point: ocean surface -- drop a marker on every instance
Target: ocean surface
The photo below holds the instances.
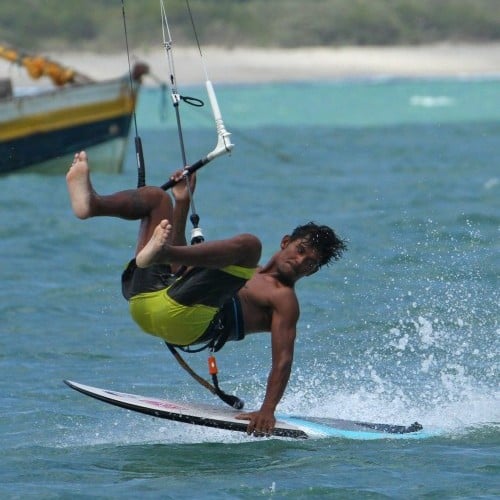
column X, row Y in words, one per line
column 404, row 328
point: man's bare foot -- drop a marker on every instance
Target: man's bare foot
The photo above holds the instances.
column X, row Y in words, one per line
column 80, row 188
column 156, row 249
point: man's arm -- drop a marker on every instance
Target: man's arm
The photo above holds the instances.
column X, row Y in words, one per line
column 283, row 333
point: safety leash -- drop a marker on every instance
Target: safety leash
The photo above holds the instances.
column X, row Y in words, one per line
column 232, row 401
column 222, row 147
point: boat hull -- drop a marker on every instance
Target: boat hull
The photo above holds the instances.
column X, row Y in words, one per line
column 40, row 132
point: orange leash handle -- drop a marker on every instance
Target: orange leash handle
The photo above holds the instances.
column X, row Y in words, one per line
column 212, row 365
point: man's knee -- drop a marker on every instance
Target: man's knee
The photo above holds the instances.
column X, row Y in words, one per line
column 251, row 249
column 156, row 198
column 154, row 193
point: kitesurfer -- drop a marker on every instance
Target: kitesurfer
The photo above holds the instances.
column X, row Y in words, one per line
column 215, row 290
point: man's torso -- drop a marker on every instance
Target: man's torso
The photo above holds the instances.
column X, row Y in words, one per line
column 257, row 303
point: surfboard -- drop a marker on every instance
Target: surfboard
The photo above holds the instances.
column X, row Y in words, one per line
column 224, row 418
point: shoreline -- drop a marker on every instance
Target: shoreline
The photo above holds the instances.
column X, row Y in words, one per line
column 255, row 65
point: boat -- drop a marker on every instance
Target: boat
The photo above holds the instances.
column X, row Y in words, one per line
column 41, row 128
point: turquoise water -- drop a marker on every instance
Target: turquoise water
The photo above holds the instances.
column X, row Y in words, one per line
column 404, row 328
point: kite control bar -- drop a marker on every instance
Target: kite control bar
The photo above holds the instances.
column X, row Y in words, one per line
column 222, row 147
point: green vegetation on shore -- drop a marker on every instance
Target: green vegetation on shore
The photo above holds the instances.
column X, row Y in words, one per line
column 98, row 24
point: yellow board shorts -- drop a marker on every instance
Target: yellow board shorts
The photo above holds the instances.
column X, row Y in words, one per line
column 181, row 312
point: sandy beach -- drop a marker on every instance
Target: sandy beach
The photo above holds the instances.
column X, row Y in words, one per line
column 250, row 65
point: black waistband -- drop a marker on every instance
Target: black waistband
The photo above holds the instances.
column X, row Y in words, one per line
column 227, row 325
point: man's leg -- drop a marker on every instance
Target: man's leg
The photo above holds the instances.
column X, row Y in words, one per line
column 148, row 204
column 242, row 250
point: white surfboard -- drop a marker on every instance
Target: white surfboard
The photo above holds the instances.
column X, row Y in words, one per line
column 223, row 418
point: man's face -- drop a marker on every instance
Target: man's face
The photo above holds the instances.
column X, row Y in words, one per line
column 297, row 259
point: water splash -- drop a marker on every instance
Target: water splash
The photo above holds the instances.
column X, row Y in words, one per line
column 426, row 347
column 429, row 101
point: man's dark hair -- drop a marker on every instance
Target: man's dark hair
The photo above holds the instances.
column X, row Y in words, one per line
column 323, row 239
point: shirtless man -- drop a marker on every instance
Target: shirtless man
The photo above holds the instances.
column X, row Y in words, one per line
column 219, row 292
